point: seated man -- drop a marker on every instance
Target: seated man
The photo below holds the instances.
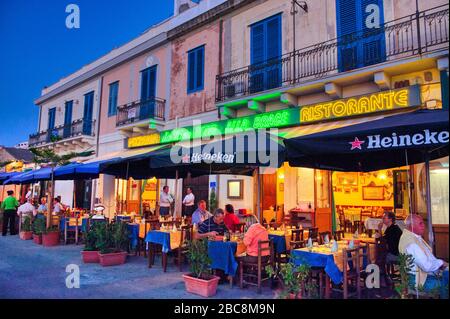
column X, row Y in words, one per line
column 213, row 226
column 200, row 214
column 255, row 233
column 230, row 220
column 427, row 271
column 391, row 236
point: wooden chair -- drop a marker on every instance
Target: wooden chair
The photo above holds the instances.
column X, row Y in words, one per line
column 344, row 224
column 297, row 239
column 322, row 236
column 313, row 234
column 71, row 230
column 355, row 273
column 338, row 235
column 248, row 269
column 150, row 224
column 358, row 226
column 181, row 251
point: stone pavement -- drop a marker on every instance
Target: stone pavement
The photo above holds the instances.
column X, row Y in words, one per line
column 28, row 270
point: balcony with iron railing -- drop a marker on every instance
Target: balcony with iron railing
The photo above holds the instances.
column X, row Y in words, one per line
column 78, row 128
column 141, row 111
column 416, row 34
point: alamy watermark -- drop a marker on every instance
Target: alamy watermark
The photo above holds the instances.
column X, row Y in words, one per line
column 73, row 279
column 73, row 19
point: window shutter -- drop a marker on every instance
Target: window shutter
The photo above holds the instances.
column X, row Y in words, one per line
column 347, row 17
column 199, row 68
column 257, row 43
column 273, row 38
column 191, row 71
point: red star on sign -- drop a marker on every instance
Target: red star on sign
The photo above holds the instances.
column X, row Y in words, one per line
column 186, row 158
column 356, row 144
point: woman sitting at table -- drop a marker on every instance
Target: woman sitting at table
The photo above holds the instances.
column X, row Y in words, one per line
column 230, row 220
column 255, row 233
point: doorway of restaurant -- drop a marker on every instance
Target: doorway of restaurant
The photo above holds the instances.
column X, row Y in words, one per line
column 200, row 188
column 83, row 192
column 401, row 193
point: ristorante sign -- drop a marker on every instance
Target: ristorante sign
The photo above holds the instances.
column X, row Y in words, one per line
column 377, row 102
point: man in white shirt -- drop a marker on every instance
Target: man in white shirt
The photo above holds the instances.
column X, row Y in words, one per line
column 427, row 271
column 188, row 202
column 200, row 214
column 57, row 207
column 26, row 209
column 165, row 200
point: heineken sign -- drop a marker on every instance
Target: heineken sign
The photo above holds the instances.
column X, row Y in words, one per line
column 362, row 105
column 426, row 137
column 275, row 119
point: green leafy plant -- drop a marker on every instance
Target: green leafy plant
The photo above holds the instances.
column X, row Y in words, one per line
column 198, row 258
column 294, row 279
column 90, row 238
column 26, row 224
column 212, row 200
column 51, row 229
column 38, row 226
column 111, row 238
column 405, row 264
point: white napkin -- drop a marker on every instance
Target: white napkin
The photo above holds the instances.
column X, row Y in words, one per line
column 334, row 247
column 351, row 244
column 174, row 228
column 356, row 235
column 309, row 243
column 326, row 239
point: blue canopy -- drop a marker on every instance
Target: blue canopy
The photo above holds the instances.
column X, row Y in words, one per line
column 5, row 176
column 389, row 142
column 80, row 171
column 17, row 178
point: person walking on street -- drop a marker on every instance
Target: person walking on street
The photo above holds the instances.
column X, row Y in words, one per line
column 9, row 207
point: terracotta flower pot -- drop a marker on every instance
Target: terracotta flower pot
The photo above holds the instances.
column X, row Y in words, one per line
column 201, row 287
column 37, row 239
column 50, row 239
column 113, row 259
column 90, row 257
column 26, row 235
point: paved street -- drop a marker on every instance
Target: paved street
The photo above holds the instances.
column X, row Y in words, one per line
column 31, row 271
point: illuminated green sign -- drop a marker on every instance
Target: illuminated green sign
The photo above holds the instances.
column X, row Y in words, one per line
column 274, row 119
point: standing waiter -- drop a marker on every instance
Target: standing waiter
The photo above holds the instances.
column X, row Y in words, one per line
column 9, row 207
column 189, row 203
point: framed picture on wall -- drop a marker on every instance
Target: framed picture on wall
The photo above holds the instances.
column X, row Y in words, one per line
column 235, row 189
column 347, row 179
column 373, row 193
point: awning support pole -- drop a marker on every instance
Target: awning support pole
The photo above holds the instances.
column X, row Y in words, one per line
column 428, row 186
column 176, row 195
column 258, row 198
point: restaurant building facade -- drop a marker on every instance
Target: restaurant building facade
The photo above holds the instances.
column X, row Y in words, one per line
column 298, row 67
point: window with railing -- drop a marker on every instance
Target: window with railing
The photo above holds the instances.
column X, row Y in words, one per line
column 152, row 108
column 411, row 35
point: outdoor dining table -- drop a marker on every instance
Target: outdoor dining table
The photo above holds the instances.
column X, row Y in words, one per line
column 322, row 256
column 167, row 239
column 282, row 240
column 223, row 256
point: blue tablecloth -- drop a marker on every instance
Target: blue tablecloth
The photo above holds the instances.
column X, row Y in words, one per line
column 83, row 226
column 159, row 237
column 279, row 243
column 133, row 234
column 322, row 260
column 222, row 256
column 318, row 260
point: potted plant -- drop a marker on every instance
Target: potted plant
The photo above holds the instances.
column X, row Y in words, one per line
column 293, row 279
column 25, row 230
column 405, row 264
column 200, row 281
column 112, row 242
column 90, row 251
column 38, row 227
column 50, row 237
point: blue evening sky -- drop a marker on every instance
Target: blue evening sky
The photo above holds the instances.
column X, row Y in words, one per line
column 37, row 49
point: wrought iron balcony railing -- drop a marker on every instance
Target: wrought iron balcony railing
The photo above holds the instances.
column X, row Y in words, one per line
column 137, row 111
column 408, row 36
column 81, row 127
